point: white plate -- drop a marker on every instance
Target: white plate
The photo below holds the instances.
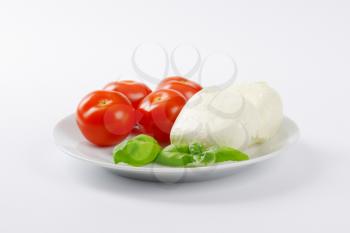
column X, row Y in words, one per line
column 69, row 139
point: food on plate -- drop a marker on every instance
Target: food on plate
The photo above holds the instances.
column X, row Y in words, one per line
column 138, row 151
column 105, row 118
column 181, row 79
column 269, row 107
column 195, row 155
column 186, row 87
column 143, row 149
column 236, row 116
column 175, row 156
column 135, row 91
column 224, row 153
column 158, row 112
column 197, row 127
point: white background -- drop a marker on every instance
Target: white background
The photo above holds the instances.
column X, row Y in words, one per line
column 54, row 52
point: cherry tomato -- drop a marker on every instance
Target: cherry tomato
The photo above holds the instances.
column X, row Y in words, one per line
column 159, row 111
column 105, row 118
column 186, row 90
column 135, row 91
column 186, row 87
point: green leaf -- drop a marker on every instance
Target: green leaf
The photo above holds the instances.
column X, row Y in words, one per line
column 175, row 156
column 138, row 151
column 204, row 159
column 228, row 154
column 196, row 155
column 196, row 148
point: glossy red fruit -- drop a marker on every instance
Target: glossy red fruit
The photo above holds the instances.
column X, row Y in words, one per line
column 186, row 87
column 159, row 111
column 135, row 91
column 105, row 118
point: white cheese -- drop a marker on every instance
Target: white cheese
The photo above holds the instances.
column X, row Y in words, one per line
column 236, row 116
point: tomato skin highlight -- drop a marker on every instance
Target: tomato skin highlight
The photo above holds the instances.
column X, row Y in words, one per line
column 159, row 111
column 105, row 118
column 185, row 86
column 186, row 90
column 134, row 91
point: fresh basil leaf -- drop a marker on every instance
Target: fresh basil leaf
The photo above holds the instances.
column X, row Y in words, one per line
column 228, row 154
column 203, row 159
column 196, row 148
column 175, row 156
column 138, row 151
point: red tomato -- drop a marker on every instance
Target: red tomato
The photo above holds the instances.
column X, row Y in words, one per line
column 159, row 111
column 186, row 87
column 105, row 118
column 135, row 91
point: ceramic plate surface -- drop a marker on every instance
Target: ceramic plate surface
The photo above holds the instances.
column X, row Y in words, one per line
column 69, row 139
